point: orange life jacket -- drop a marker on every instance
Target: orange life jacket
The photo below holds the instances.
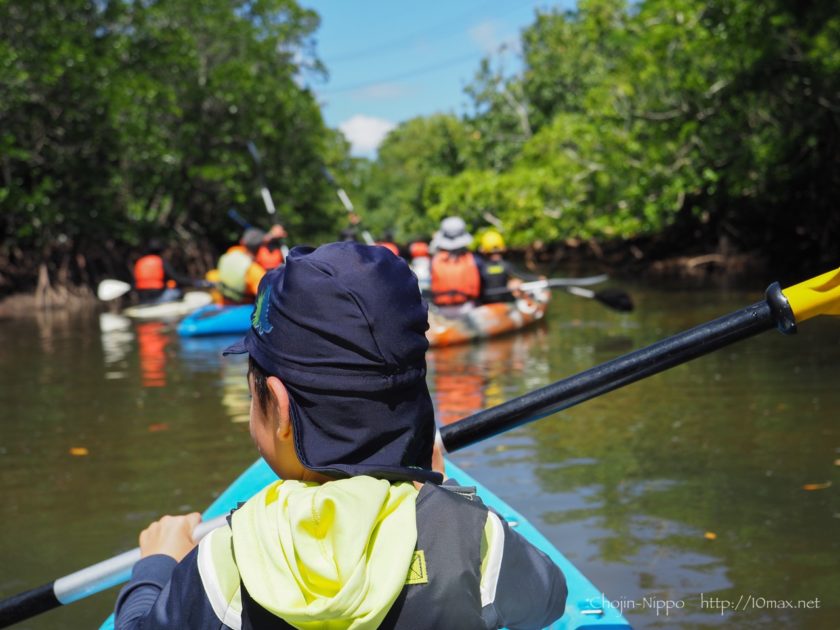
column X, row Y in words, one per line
column 149, row 273
column 269, row 258
column 388, row 245
column 455, row 278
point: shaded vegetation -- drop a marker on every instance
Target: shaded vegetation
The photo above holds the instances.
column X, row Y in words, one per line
column 651, row 128
column 121, row 120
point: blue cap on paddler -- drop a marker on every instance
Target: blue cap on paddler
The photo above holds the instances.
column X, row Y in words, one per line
column 344, row 327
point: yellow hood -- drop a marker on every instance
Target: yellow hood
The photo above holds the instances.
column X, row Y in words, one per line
column 327, row 556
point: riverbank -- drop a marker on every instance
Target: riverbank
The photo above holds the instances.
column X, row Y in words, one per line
column 640, row 261
column 61, row 299
column 713, row 269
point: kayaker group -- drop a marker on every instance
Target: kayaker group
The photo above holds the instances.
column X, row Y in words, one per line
column 450, row 275
column 235, row 278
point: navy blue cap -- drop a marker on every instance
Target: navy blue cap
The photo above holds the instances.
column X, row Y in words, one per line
column 344, row 327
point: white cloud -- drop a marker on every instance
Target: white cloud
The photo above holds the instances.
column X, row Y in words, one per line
column 486, row 35
column 365, row 133
column 491, row 37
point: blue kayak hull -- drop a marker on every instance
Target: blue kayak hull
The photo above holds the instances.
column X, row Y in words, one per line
column 583, row 607
column 216, row 319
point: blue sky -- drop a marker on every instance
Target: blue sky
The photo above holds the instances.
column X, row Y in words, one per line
column 389, row 61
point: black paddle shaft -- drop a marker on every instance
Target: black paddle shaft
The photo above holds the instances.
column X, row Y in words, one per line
column 774, row 311
column 28, row 604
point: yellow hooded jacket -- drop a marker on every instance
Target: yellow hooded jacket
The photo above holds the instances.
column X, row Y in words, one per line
column 318, row 556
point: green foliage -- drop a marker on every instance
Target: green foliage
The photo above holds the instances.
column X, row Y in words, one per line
column 569, row 55
column 501, row 121
column 122, row 118
column 410, row 157
column 629, row 118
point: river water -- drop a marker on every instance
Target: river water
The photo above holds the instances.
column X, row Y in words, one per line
column 716, row 481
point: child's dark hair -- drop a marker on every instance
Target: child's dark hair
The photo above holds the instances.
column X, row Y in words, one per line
column 260, row 377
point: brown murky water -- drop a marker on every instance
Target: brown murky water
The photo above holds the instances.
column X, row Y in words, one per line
column 717, row 480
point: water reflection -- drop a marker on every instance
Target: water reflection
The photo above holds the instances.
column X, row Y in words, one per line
column 687, row 482
column 152, row 340
column 236, row 398
column 117, row 336
column 466, row 378
column 204, row 354
column 120, row 335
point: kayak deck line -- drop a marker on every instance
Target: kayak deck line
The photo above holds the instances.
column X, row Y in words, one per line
column 584, row 606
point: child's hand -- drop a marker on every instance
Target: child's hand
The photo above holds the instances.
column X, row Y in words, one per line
column 438, row 463
column 171, row 535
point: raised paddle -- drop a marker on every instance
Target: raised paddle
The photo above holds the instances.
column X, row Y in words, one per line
column 345, row 201
column 264, row 192
column 239, row 219
column 782, row 309
column 584, row 281
column 112, row 289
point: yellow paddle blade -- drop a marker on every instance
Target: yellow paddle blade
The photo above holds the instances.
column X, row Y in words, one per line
column 818, row 296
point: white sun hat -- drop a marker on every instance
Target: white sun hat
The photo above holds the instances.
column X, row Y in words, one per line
column 452, row 235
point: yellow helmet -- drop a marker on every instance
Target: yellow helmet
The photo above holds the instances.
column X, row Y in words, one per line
column 491, row 241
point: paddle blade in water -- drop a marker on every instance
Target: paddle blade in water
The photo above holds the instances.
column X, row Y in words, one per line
column 615, row 298
column 112, row 289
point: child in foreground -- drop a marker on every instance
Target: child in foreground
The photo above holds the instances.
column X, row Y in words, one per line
column 360, row 532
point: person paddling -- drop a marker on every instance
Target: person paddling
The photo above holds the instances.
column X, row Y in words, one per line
column 361, row 532
column 496, row 272
column 238, row 274
column 154, row 279
column 271, row 253
column 455, row 273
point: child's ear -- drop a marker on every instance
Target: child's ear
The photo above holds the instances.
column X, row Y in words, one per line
column 280, row 404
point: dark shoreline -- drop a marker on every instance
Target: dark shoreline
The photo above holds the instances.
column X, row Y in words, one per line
column 713, row 269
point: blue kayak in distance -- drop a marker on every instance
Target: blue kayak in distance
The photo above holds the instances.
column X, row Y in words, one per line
column 217, row 319
column 586, row 606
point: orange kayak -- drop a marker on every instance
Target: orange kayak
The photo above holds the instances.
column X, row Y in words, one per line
column 487, row 320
